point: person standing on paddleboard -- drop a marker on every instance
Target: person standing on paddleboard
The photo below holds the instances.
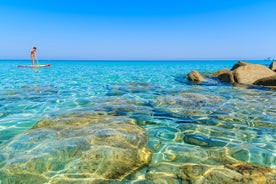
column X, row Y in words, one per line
column 33, row 52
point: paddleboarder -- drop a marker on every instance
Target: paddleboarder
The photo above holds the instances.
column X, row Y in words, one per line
column 33, row 52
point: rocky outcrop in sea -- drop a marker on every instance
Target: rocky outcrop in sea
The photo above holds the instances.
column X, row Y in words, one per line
column 250, row 73
column 246, row 74
column 195, row 76
column 272, row 66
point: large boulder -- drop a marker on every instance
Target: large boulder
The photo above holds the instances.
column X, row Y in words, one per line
column 238, row 64
column 225, row 75
column 224, row 70
column 250, row 73
column 86, row 148
column 268, row 81
column 195, row 76
column 272, row 66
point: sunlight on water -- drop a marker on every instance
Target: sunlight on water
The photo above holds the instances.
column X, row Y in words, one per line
column 212, row 123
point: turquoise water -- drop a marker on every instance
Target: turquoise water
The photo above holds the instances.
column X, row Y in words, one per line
column 239, row 120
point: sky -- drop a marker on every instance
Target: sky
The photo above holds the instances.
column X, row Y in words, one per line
column 138, row 29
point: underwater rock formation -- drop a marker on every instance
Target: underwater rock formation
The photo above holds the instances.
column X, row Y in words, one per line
column 132, row 87
column 203, row 173
column 75, row 148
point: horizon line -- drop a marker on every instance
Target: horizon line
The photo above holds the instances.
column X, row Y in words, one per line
column 136, row 59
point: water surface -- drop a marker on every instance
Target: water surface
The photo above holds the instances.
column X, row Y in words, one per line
column 208, row 121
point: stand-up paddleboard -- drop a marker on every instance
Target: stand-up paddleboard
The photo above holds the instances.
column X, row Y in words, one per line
column 35, row 66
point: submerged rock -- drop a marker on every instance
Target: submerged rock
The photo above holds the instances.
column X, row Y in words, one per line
column 75, row 148
column 253, row 173
column 203, row 141
column 241, row 173
column 132, row 87
column 118, row 106
column 187, row 100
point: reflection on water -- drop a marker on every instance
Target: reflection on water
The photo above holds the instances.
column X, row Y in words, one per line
column 207, row 128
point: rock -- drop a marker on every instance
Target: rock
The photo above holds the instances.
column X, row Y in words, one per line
column 272, row 66
column 222, row 175
column 86, row 148
column 203, row 173
column 246, row 73
column 132, row 87
column 187, row 100
column 226, row 171
column 203, row 141
column 254, row 174
column 268, row 81
column 227, row 77
column 195, row 76
column 250, row 73
column 238, row 64
column 222, row 71
column 191, row 172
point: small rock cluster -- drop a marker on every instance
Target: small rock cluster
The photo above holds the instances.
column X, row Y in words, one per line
column 201, row 174
column 242, row 73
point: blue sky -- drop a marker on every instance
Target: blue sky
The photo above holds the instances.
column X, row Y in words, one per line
column 138, row 29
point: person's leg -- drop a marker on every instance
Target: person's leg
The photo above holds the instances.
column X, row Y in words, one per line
column 32, row 60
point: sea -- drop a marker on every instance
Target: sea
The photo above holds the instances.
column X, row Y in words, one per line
column 239, row 119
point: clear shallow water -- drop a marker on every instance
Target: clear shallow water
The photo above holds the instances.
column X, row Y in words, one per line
column 208, row 120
